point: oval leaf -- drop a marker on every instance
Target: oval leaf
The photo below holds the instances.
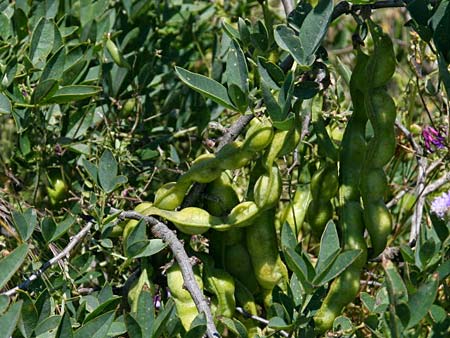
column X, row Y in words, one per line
column 206, row 86
column 12, row 262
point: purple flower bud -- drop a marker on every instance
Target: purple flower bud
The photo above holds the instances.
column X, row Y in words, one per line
column 432, row 138
column 441, row 205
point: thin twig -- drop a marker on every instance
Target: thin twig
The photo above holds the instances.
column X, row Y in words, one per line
column 436, row 184
column 160, row 230
column 420, row 184
column 259, row 319
column 234, row 131
column 64, row 253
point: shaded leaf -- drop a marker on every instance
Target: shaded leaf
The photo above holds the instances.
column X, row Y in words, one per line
column 11, row 263
column 5, row 104
column 8, row 321
column 96, row 328
column 44, row 90
column 421, row 301
column 107, row 171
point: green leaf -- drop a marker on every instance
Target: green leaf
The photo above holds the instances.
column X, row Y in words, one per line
column 4, row 302
column 237, row 72
column 441, row 36
column 73, row 93
column 5, row 104
column 244, row 31
column 133, row 328
column 137, row 236
column 288, row 239
column 47, row 325
column 444, row 74
column 65, row 327
column 287, row 40
column 153, row 247
column 54, row 68
column 239, row 98
column 104, row 307
column 96, row 328
column 299, row 265
column 62, row 227
column 270, row 73
column 11, row 263
column 278, row 323
column 145, row 315
column 25, row 222
column 381, row 300
column 107, row 171
column 91, row 169
column 368, row 301
column 395, row 285
column 342, row 323
column 421, row 301
column 8, row 321
column 314, row 28
column 235, row 326
column 42, row 40
column 272, row 106
column 43, row 91
column 29, row 316
column 343, row 260
column 206, row 86
column 162, row 318
column 5, row 27
column 329, row 247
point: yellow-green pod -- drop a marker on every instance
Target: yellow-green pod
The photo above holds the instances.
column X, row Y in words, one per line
column 234, row 156
column 221, row 284
column 267, row 190
column 259, row 135
column 221, row 196
column 186, row 309
column 191, row 220
column 241, row 215
column 170, row 195
column 205, row 169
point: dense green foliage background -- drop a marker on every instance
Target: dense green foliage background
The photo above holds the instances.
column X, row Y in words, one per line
column 85, row 133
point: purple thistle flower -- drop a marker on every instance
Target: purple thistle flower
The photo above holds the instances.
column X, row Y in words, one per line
column 432, row 137
column 441, row 204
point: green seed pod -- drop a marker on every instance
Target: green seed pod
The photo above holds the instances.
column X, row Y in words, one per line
column 204, row 169
column 238, row 263
column 378, row 221
column 221, row 196
column 191, row 220
column 170, row 195
column 267, row 190
column 342, row 291
column 373, row 184
column 186, row 309
column 262, row 246
column 318, row 215
column 234, row 156
column 221, row 284
column 116, row 54
column 259, row 135
column 241, row 215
